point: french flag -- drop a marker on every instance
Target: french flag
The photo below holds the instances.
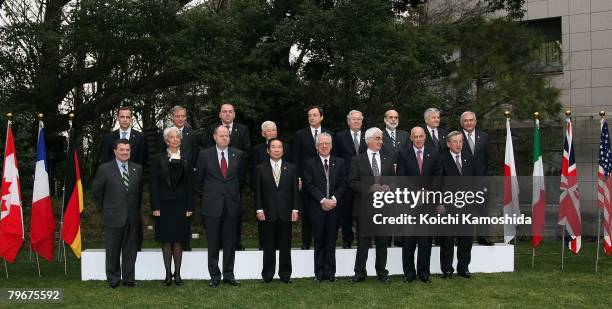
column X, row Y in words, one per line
column 42, row 227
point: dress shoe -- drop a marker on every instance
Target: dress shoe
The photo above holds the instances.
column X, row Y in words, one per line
column 168, row 281
column 131, row 284
column 384, row 279
column 447, row 275
column 466, row 274
column 346, row 245
column 178, row 281
column 483, row 241
column 113, row 285
column 266, row 280
column 332, row 279
column 231, row 282
column 318, row 280
column 409, row 279
column 213, row 283
column 358, row 279
column 285, row 280
column 424, row 279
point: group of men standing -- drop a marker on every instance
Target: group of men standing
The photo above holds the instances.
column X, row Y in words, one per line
column 318, row 179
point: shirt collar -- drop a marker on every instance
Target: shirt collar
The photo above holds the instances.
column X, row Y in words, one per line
column 120, row 164
column 454, row 155
column 219, row 150
column 280, row 162
column 467, row 133
column 430, row 128
column 417, row 149
column 128, row 131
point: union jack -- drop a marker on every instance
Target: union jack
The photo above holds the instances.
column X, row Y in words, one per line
column 569, row 202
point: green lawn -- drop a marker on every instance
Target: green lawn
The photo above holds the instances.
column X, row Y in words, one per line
column 546, row 285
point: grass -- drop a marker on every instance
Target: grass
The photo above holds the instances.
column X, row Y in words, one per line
column 545, row 285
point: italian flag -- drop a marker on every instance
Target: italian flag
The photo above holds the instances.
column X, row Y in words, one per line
column 538, row 201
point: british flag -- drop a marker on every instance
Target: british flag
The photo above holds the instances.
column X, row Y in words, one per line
column 569, row 202
column 603, row 184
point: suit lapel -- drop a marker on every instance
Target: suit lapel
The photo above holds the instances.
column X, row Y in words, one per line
column 164, row 169
column 366, row 162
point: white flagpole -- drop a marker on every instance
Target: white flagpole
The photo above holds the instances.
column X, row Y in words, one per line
column 562, row 245
column 38, row 265
column 6, row 269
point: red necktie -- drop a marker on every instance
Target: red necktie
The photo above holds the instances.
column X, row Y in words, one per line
column 420, row 161
column 223, row 165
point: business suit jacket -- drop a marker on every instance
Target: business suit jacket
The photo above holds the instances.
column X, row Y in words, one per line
column 119, row 205
column 482, row 153
column 402, row 140
column 161, row 186
column 216, row 190
column 407, row 165
column 276, row 202
column 304, row 147
column 138, row 147
column 441, row 139
column 344, row 147
column 316, row 184
column 361, row 171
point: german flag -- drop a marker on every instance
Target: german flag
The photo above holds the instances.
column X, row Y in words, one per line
column 73, row 198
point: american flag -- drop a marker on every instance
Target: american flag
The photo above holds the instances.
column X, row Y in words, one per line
column 604, row 184
column 569, row 204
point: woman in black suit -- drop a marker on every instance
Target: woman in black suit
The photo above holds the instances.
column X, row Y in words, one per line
column 172, row 201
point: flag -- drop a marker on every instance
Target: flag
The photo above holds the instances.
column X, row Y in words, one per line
column 569, row 201
column 604, row 182
column 538, row 197
column 511, row 188
column 73, row 198
column 42, row 224
column 11, row 215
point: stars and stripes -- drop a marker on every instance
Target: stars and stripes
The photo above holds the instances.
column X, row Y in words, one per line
column 604, row 184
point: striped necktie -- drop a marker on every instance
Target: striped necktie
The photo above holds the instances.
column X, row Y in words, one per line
column 125, row 176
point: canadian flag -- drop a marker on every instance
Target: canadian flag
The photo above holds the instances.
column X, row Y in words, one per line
column 11, row 218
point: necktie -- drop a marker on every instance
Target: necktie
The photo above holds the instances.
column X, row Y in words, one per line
column 326, row 167
column 420, row 161
column 471, row 142
column 223, row 165
column 356, row 142
column 458, row 162
column 276, row 174
column 125, row 176
column 393, row 138
column 316, row 133
column 375, row 169
column 124, row 135
column 229, row 129
column 434, row 137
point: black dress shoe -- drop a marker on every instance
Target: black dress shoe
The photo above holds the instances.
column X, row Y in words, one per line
column 346, row 245
column 318, row 280
column 384, row 279
column 332, row 279
column 178, row 281
column 231, row 282
column 286, row 280
column 213, row 283
column 409, row 279
column 466, row 274
column 113, row 285
column 131, row 284
column 447, row 275
column 266, row 280
column 425, row 279
column 358, row 279
column 168, row 281
column 483, row 241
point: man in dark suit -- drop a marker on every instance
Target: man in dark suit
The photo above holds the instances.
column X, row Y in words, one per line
column 420, row 164
column 364, row 167
column 138, row 149
column 304, row 149
column 259, row 154
column 219, row 169
column 239, row 139
column 276, row 200
column 117, row 187
column 348, row 144
column 190, row 145
column 455, row 163
column 325, row 183
column 394, row 139
column 477, row 144
column 434, row 135
column 138, row 145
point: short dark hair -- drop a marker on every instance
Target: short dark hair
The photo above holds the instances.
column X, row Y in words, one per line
column 120, row 141
column 125, row 108
column 227, row 103
column 315, row 107
column 275, row 139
